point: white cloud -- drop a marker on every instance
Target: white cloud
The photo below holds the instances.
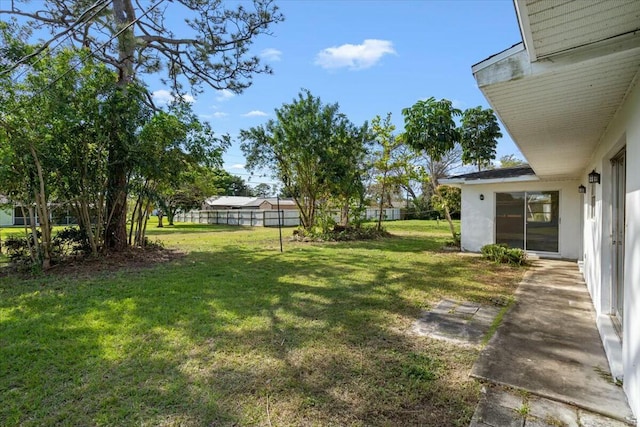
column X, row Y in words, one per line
column 224, row 95
column 354, row 56
column 237, row 166
column 216, row 115
column 456, row 103
column 163, row 97
column 255, row 113
column 271, row 54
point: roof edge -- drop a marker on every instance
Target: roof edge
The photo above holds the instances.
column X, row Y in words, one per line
column 516, row 48
column 522, row 13
column 453, row 181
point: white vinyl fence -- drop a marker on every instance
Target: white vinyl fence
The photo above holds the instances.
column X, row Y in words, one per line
column 264, row 218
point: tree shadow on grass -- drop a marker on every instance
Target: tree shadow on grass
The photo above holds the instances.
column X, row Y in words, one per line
column 182, row 228
column 237, row 337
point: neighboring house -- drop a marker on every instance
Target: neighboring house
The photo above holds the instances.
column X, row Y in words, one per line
column 6, row 212
column 12, row 214
column 569, row 97
column 238, row 202
column 261, row 211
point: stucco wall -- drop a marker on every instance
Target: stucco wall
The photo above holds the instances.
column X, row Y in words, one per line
column 478, row 216
column 623, row 131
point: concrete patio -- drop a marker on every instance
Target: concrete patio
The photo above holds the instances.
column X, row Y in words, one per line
column 548, row 347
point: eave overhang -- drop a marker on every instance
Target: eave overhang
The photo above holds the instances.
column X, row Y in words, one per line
column 457, row 182
column 557, row 99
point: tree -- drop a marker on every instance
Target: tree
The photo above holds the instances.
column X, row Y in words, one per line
column 237, row 186
column 53, row 139
column 479, row 133
column 510, row 161
column 172, row 146
column 388, row 161
column 133, row 39
column 449, row 197
column 430, row 128
column 346, row 170
column 311, row 147
column 263, row 190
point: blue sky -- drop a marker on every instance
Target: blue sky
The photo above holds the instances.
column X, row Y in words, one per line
column 371, row 57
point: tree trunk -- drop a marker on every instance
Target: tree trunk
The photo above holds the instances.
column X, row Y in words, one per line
column 43, row 212
column 450, row 221
column 447, row 215
column 381, row 205
column 145, row 218
column 34, row 247
column 115, row 237
column 344, row 214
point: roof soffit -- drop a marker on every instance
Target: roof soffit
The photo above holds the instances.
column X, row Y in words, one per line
column 557, row 108
column 550, row 27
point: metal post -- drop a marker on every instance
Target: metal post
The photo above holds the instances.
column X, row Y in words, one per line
column 279, row 222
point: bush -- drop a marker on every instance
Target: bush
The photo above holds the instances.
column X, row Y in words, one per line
column 503, row 254
column 18, row 248
column 71, row 241
column 339, row 233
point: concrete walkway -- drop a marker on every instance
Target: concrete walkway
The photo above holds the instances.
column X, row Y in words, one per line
column 548, row 347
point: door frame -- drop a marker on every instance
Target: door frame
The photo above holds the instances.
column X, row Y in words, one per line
column 618, row 235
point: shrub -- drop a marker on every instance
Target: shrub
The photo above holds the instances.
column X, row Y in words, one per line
column 339, row 233
column 71, row 241
column 503, row 254
column 18, row 248
column 455, row 242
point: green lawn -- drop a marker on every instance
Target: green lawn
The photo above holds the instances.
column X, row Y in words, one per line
column 237, row 333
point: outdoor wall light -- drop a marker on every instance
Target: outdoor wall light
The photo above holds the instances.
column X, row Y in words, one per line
column 582, row 189
column 594, row 177
column 482, row 197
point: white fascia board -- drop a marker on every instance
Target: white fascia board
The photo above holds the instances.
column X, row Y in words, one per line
column 452, row 181
column 498, row 57
column 514, row 63
column 522, row 11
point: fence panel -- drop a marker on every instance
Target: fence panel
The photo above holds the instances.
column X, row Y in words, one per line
column 267, row 218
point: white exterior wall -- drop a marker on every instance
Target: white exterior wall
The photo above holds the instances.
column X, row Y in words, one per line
column 624, row 130
column 6, row 216
column 478, row 216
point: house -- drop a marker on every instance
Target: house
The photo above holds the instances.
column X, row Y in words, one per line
column 12, row 214
column 238, row 202
column 5, row 217
column 516, row 207
column 6, row 212
column 569, row 97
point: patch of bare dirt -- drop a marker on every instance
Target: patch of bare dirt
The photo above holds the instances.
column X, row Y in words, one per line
column 130, row 259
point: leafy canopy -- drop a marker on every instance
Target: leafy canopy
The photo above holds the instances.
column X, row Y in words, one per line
column 311, row 147
column 479, row 133
column 430, row 126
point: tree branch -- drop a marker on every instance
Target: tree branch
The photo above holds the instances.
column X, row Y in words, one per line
column 155, row 38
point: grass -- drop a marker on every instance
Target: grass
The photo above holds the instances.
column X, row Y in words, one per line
column 495, row 324
column 237, row 333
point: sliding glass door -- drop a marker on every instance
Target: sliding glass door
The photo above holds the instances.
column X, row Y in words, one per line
column 528, row 220
column 510, row 219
